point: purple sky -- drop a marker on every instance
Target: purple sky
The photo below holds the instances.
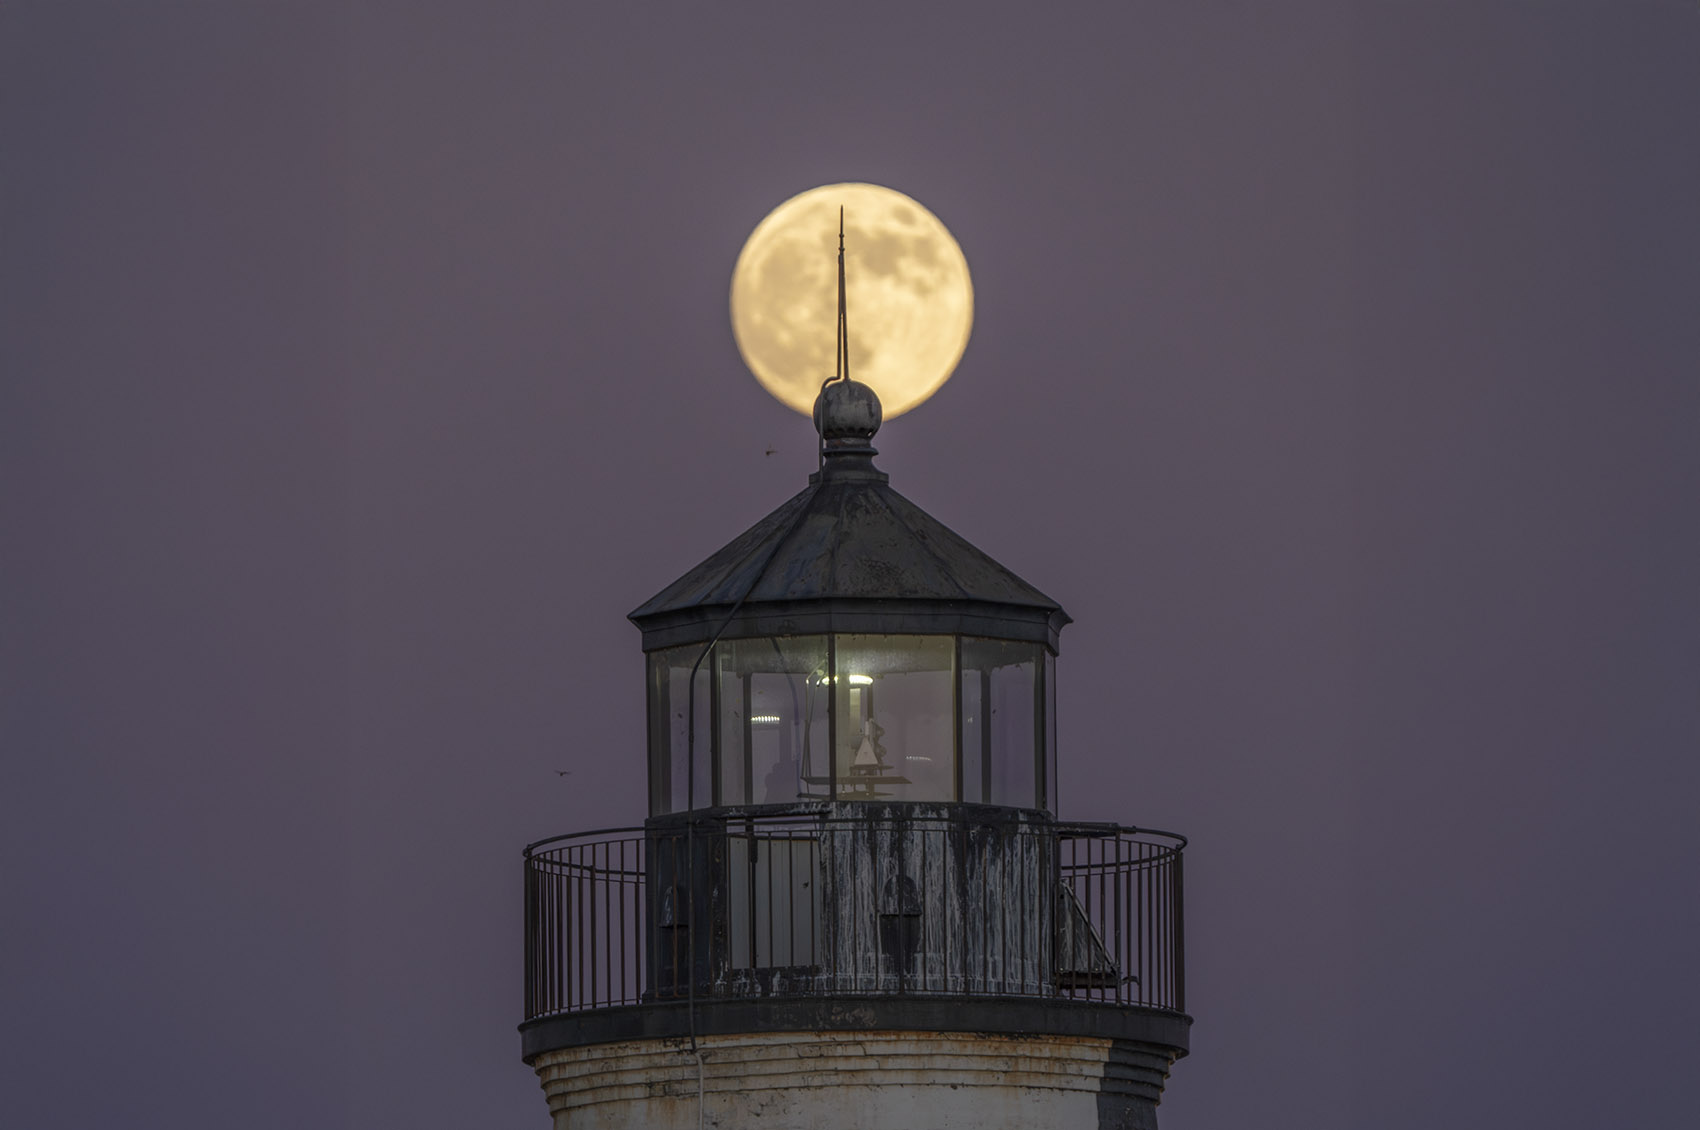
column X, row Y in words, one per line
column 1335, row 366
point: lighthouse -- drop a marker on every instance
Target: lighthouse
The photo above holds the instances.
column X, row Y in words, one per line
column 853, row 902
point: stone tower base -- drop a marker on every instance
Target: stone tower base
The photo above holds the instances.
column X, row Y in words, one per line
column 889, row 1080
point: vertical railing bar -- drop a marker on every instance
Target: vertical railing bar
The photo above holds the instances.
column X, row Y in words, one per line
column 603, row 967
column 1159, row 924
column 1083, row 901
column 1168, row 930
column 770, row 906
column 1167, row 981
column 671, row 873
column 1151, row 917
column 1161, row 874
column 1174, row 923
column 1139, row 929
column 653, row 855
column 1107, row 871
column 555, row 924
column 929, row 899
column 579, row 921
column 1144, row 878
column 1087, row 905
column 637, row 888
column 1151, row 931
column 829, row 921
column 587, row 879
column 816, row 879
column 590, row 884
column 604, row 964
column 625, row 986
column 610, row 924
column 529, row 947
column 1165, row 975
column 1132, row 922
column 900, row 846
column 1103, row 873
column 987, row 983
column 1065, row 877
column 1180, row 931
column 616, row 898
column 546, row 947
column 1112, row 855
column 1138, row 940
column 563, row 923
column 1159, row 920
column 1024, row 841
column 1092, row 908
column 1110, row 881
column 575, row 915
column 568, row 922
column 1118, row 916
column 1003, row 926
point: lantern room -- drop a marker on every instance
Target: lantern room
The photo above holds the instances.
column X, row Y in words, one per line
column 850, row 647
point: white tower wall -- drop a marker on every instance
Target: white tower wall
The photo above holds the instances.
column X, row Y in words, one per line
column 889, row 1080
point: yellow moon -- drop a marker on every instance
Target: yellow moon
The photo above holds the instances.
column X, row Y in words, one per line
column 910, row 302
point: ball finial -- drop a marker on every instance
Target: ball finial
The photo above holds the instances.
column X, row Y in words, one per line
column 847, row 414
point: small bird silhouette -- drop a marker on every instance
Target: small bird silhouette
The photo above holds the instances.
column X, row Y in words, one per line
column 770, row 451
column 563, row 772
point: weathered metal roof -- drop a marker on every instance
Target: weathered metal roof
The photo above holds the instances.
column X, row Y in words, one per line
column 850, row 545
column 848, row 554
column 847, row 540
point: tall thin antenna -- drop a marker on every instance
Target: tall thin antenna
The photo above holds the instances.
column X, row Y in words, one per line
column 843, row 324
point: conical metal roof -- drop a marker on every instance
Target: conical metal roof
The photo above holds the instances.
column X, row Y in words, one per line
column 849, row 554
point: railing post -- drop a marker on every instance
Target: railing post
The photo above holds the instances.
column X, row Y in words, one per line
column 530, row 942
column 1180, row 937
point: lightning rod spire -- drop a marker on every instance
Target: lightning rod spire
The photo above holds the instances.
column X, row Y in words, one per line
column 843, row 366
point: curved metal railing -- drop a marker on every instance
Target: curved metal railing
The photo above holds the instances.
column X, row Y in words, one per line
column 748, row 904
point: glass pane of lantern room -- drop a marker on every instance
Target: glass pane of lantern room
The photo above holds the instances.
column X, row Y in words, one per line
column 669, row 680
column 1048, row 756
column 976, row 751
column 894, row 736
column 773, row 720
column 1000, row 714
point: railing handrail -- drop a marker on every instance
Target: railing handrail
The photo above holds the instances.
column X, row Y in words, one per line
column 1088, row 828
column 1068, row 828
column 564, row 837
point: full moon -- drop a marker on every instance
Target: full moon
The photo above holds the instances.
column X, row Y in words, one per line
column 910, row 302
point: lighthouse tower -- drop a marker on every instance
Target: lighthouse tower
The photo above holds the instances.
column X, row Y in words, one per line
column 853, row 903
